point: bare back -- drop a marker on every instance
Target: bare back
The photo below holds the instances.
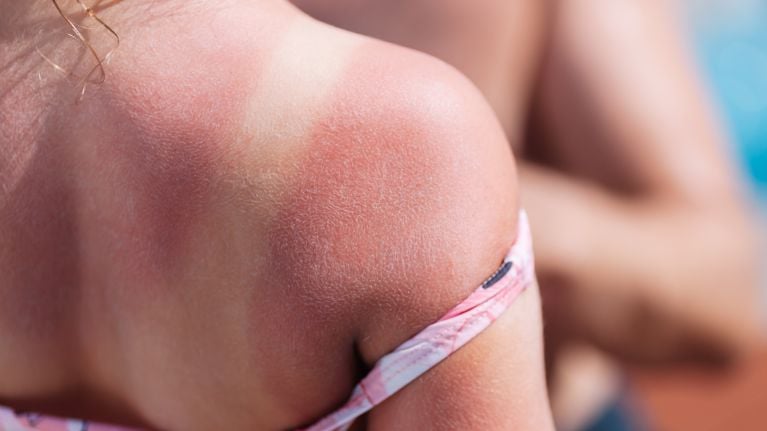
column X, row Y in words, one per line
column 211, row 238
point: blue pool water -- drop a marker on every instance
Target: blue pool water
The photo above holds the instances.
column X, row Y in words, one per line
column 731, row 40
column 732, row 47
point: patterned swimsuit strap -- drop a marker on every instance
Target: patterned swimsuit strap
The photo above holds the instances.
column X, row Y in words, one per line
column 439, row 340
column 396, row 369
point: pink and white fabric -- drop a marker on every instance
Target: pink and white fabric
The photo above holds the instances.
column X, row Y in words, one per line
column 439, row 340
column 10, row 421
column 393, row 371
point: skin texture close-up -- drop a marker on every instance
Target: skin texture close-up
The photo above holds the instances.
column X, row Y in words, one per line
column 250, row 211
column 638, row 216
column 223, row 216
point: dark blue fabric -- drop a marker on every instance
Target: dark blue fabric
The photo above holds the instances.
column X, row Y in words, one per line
column 621, row 415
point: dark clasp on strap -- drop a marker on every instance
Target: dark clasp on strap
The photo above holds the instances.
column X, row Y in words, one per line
column 503, row 270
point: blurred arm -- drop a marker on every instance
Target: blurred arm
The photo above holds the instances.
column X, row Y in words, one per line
column 639, row 216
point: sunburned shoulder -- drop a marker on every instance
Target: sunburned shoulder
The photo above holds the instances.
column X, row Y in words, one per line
column 357, row 179
column 401, row 198
column 380, row 179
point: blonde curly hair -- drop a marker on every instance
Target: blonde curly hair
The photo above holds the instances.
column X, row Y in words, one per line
column 96, row 74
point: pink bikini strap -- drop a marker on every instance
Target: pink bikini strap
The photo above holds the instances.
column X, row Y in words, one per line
column 438, row 341
column 11, row 421
column 393, row 371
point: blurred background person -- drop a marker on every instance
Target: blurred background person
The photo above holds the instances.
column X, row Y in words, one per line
column 647, row 253
column 637, row 162
column 226, row 234
column 730, row 39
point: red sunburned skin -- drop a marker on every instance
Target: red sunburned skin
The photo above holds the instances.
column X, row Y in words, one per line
column 388, row 191
column 359, row 180
column 98, row 222
column 178, row 133
column 381, row 188
column 347, row 181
